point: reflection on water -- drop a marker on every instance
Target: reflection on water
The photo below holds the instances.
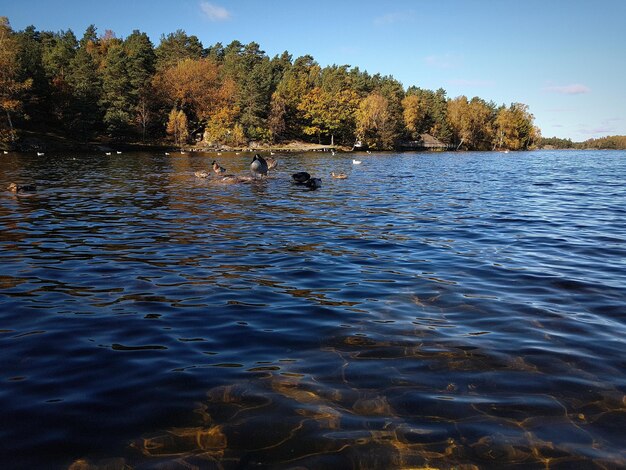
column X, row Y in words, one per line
column 431, row 310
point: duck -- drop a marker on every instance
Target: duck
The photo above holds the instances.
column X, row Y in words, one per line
column 217, row 168
column 18, row 188
column 271, row 163
column 118, row 152
column 5, row 152
column 107, row 153
column 201, row 174
column 258, row 166
column 301, row 177
column 339, row 176
column 40, row 154
column 234, row 179
column 313, row 183
column 167, row 153
column 356, row 162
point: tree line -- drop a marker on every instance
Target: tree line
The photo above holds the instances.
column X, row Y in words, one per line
column 102, row 86
column 611, row 142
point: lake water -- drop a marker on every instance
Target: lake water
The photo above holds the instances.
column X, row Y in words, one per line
column 432, row 309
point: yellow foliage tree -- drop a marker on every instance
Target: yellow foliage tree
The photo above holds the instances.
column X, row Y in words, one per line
column 413, row 112
column 177, row 126
column 192, row 85
column 374, row 122
column 515, row 129
column 328, row 112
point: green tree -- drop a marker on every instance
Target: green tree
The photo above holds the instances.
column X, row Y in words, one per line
column 297, row 81
column 435, row 106
column 11, row 89
column 141, row 65
column 116, row 91
column 30, row 67
column 253, row 73
column 58, row 51
column 175, row 47
column 86, row 89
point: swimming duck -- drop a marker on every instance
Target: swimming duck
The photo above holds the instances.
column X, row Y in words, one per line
column 40, row 154
column 18, row 188
column 356, row 162
column 217, row 168
column 271, row 163
column 339, row 176
column 258, row 166
column 313, row 183
column 301, row 177
column 201, row 174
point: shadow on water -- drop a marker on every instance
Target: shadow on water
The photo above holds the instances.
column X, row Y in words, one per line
column 454, row 310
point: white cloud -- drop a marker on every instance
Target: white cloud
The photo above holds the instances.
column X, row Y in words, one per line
column 214, row 12
column 573, row 89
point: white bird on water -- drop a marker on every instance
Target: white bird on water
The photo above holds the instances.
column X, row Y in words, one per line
column 40, row 154
column 107, row 153
column 118, row 152
column 356, row 162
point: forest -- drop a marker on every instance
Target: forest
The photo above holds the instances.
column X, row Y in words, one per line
column 611, row 142
column 107, row 89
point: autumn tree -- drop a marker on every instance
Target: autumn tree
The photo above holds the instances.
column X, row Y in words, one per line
column 11, row 88
column 471, row 122
column 329, row 112
column 514, row 128
column 413, row 113
column 177, row 126
column 435, row 106
column 297, row 81
column 374, row 123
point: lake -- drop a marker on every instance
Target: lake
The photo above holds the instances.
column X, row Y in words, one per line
column 432, row 309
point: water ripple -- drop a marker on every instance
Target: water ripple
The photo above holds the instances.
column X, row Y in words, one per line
column 430, row 310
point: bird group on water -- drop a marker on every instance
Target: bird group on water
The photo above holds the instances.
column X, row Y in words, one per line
column 259, row 168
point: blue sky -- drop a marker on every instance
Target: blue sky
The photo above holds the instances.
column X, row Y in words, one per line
column 563, row 58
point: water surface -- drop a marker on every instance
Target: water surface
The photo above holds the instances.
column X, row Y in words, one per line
column 432, row 309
